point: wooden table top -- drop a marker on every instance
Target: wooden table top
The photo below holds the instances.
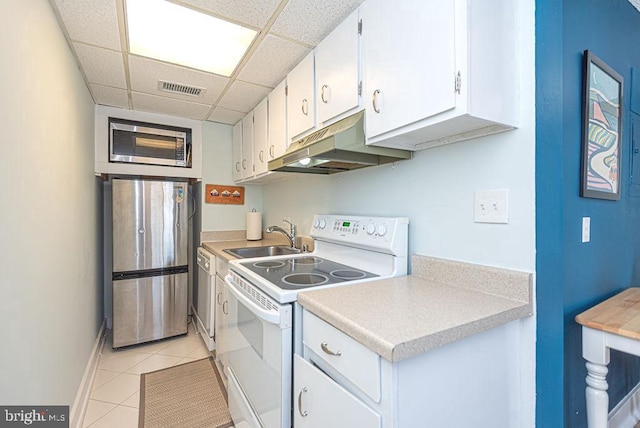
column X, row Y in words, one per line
column 619, row 314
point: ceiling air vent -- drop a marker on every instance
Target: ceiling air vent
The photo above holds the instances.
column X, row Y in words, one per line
column 179, row 88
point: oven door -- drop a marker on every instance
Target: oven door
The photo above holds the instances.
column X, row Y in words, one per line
column 258, row 351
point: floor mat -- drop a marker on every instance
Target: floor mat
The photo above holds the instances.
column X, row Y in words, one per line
column 188, row 395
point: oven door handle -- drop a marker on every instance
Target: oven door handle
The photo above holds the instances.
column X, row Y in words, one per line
column 260, row 312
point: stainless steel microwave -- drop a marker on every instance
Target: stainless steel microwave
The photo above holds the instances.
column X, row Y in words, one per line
column 150, row 144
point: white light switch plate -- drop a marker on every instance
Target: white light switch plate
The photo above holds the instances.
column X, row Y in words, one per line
column 491, row 206
column 586, row 229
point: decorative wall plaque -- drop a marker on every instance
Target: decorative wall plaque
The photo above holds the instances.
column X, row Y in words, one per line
column 223, row 194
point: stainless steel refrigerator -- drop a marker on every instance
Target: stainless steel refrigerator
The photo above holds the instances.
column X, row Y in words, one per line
column 150, row 267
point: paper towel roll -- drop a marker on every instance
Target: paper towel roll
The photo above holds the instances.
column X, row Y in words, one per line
column 254, row 226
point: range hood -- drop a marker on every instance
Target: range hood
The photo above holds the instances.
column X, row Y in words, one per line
column 337, row 148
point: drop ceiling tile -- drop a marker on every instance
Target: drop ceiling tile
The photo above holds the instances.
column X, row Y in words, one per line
column 255, row 13
column 101, row 66
column 309, row 21
column 169, row 106
column 145, row 73
column 223, row 115
column 91, row 21
column 243, row 96
column 108, row 96
column 272, row 60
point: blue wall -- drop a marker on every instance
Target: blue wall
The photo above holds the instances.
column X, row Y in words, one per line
column 549, row 244
column 572, row 276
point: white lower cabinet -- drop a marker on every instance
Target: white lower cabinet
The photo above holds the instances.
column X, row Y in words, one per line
column 219, row 320
column 320, row 402
column 340, row 383
column 220, row 317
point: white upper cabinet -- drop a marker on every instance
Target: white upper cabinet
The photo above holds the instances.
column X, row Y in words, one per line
column 277, row 130
column 301, row 112
column 338, row 70
column 247, row 166
column 237, row 151
column 438, row 71
column 260, row 136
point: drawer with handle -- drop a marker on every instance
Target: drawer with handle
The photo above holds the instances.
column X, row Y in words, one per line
column 354, row 361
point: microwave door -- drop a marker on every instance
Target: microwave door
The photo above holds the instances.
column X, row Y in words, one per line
column 137, row 144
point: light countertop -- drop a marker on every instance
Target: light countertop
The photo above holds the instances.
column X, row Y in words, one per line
column 443, row 301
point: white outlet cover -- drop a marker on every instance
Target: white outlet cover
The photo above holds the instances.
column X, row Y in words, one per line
column 491, row 206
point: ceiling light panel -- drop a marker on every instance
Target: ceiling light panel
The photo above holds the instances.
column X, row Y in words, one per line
column 176, row 34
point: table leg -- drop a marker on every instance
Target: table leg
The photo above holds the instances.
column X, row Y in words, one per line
column 596, row 394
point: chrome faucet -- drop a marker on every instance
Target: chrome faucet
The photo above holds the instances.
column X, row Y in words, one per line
column 290, row 236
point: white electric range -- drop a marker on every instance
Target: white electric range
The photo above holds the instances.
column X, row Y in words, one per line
column 263, row 319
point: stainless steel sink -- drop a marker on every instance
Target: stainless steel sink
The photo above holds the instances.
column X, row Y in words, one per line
column 269, row 250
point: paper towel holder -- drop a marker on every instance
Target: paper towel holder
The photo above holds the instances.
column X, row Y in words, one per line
column 254, row 225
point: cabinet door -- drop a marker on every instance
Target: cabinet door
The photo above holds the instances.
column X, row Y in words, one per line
column 247, row 165
column 222, row 346
column 320, row 402
column 277, row 140
column 409, row 61
column 237, row 152
column 219, row 316
column 301, row 110
column 260, row 135
column 337, row 70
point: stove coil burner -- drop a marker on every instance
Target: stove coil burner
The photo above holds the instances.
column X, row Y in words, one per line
column 348, row 274
column 305, row 279
column 269, row 264
column 305, row 260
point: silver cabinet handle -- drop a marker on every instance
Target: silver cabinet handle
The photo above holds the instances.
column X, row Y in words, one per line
column 261, row 156
column 325, row 348
column 218, row 297
column 244, row 164
column 322, row 94
column 271, row 151
column 302, row 413
column 374, row 101
column 305, row 107
column 238, row 166
column 224, row 307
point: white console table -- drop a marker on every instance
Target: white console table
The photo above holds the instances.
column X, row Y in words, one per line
column 612, row 324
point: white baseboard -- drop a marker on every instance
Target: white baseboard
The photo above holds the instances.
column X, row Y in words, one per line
column 79, row 407
column 627, row 411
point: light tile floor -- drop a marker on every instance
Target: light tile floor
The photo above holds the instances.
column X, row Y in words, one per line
column 115, row 396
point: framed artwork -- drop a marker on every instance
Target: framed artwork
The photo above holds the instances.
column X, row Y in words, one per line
column 601, row 129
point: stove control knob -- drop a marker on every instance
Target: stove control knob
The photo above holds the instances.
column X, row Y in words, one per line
column 316, row 223
column 322, row 223
column 382, row 230
column 371, row 229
